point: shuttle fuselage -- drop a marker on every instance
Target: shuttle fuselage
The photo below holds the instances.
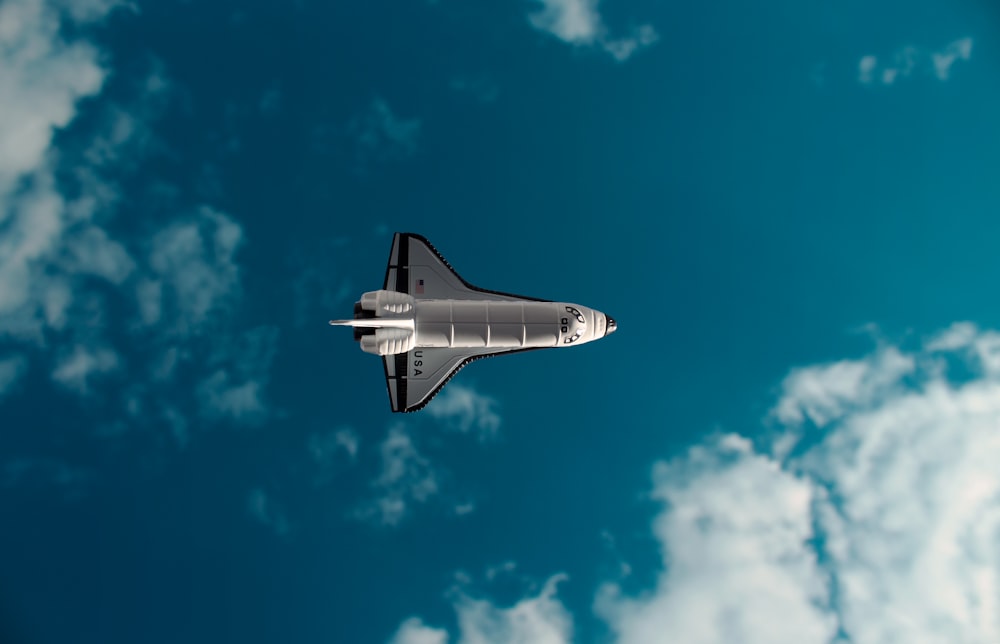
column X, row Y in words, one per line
column 427, row 323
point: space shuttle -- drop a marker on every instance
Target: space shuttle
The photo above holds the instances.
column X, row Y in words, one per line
column 427, row 323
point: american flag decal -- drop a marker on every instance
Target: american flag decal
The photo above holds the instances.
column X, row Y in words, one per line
column 420, row 287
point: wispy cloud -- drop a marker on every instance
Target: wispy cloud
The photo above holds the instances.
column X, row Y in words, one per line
column 270, row 101
column 11, row 370
column 463, row 509
column 407, row 477
column 578, row 22
column 77, row 367
column 72, row 481
column 323, row 447
column 265, row 510
column 480, row 86
column 92, row 10
column 943, row 60
column 465, row 410
column 194, row 269
column 320, row 286
column 235, row 388
column 907, row 60
column 381, row 135
column 332, row 450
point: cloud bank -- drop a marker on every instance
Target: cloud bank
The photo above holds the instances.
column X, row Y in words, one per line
column 877, row 521
column 63, row 266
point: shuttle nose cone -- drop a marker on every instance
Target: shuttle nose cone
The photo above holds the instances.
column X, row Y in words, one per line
column 611, row 327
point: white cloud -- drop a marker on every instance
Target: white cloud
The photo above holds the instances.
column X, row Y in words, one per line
column 905, row 60
column 92, row 252
column 574, row 21
column 621, row 49
column 958, row 336
column 348, row 440
column 186, row 296
column 194, row 260
column 463, row 509
column 264, row 509
column 41, row 78
column 865, row 68
column 738, row 567
column 76, row 369
column 466, row 410
column 578, row 22
column 915, row 526
column 92, row 10
column 235, row 389
column 220, row 396
column 46, row 241
column 149, row 297
column 125, row 134
column 331, row 450
column 505, row 568
column 407, row 477
column 382, row 135
column 826, row 392
column 324, row 446
column 61, row 266
column 11, row 370
column 46, row 244
column 943, row 60
column 30, row 297
column 414, row 631
column 540, row 619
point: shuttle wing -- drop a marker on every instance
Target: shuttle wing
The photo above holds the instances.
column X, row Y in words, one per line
column 415, row 377
column 418, row 269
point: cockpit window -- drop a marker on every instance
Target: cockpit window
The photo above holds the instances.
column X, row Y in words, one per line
column 579, row 327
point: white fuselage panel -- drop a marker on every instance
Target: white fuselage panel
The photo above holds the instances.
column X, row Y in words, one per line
column 487, row 323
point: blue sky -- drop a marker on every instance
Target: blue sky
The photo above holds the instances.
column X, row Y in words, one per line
column 790, row 210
